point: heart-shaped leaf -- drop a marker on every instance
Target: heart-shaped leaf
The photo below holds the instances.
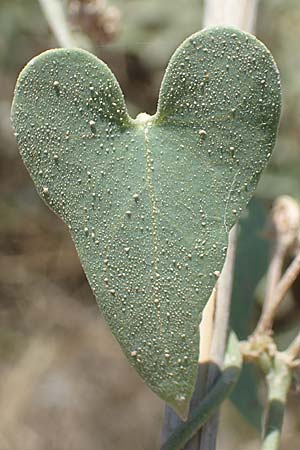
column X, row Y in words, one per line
column 149, row 202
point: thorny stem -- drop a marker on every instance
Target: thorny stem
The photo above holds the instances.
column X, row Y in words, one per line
column 55, row 16
column 266, row 321
column 278, row 382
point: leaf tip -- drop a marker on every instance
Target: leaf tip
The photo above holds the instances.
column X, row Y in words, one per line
column 181, row 405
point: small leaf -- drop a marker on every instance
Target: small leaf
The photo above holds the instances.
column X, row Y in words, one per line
column 149, row 202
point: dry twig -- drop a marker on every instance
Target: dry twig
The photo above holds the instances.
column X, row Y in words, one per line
column 55, row 16
column 266, row 321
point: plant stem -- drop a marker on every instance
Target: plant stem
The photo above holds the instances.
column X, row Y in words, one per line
column 203, row 412
column 54, row 13
column 274, row 272
column 284, row 225
column 171, row 419
column 278, row 381
column 241, row 14
column 294, row 348
column 221, row 389
column 237, row 13
column 224, row 291
column 266, row 320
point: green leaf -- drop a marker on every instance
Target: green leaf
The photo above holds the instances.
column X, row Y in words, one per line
column 149, row 202
column 251, row 263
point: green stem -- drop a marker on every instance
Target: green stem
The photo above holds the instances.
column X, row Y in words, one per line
column 214, row 398
column 278, row 381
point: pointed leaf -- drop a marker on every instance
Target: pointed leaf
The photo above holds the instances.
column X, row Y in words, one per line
column 149, row 202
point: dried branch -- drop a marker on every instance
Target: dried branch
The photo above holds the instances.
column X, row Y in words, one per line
column 224, row 291
column 284, row 225
column 274, row 272
column 293, row 351
column 237, row 13
column 54, row 13
column 267, row 318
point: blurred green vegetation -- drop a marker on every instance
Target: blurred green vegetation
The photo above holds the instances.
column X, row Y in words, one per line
column 44, row 294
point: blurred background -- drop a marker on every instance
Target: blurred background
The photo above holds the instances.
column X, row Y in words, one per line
column 64, row 383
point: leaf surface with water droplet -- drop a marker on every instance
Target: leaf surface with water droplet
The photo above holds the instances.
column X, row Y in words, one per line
column 149, row 202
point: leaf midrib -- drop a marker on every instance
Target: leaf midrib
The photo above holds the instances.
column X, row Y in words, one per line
column 154, row 213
